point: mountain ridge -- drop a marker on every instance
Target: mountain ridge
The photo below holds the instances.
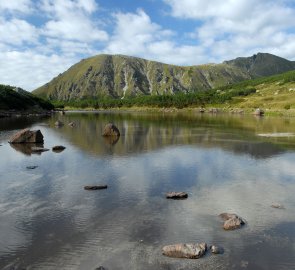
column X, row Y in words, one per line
column 121, row 76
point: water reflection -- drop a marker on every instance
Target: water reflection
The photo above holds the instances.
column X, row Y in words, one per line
column 48, row 221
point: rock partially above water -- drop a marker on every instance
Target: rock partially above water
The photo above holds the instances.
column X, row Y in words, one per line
column 189, row 251
column 176, row 195
column 27, row 136
column 95, row 187
column 111, row 130
column 58, row 148
column 72, row 124
column 231, row 221
column 216, row 249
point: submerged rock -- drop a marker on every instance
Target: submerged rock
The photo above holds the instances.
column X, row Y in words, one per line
column 58, row 148
column 189, row 251
column 95, row 187
column 176, row 195
column 111, row 130
column 231, row 221
column 27, row 136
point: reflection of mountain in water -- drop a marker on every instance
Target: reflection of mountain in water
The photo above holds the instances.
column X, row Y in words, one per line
column 141, row 132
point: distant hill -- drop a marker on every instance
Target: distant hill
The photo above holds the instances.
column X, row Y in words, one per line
column 119, row 76
column 15, row 98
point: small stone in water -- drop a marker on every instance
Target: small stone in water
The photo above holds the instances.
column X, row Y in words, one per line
column 95, row 187
column 32, row 167
column 176, row 195
column 278, row 206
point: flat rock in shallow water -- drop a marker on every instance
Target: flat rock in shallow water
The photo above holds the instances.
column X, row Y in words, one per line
column 176, row 195
column 189, row 251
column 231, row 221
column 95, row 187
column 58, row 123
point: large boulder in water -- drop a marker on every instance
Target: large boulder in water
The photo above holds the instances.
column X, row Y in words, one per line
column 111, row 130
column 231, row 221
column 189, row 251
column 27, row 136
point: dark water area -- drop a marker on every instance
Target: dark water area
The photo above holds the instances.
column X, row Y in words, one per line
column 238, row 164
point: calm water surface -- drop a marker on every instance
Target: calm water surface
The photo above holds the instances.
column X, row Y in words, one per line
column 226, row 164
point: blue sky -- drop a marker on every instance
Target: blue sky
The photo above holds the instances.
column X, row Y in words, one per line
column 41, row 38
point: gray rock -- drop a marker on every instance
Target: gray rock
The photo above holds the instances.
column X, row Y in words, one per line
column 176, row 195
column 111, row 130
column 216, row 249
column 27, row 136
column 72, row 124
column 189, row 251
column 231, row 221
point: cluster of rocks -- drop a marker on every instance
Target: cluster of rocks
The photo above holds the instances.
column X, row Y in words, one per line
column 32, row 138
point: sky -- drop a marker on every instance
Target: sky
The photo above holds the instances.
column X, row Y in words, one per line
column 40, row 39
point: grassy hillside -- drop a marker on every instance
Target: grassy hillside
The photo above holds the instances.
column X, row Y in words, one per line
column 119, row 77
column 12, row 98
column 273, row 93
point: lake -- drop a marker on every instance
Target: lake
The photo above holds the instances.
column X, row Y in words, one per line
column 226, row 163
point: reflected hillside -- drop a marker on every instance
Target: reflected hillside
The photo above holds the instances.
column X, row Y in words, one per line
column 142, row 132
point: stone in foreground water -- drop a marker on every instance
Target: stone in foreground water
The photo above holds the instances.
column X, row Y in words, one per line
column 189, row 251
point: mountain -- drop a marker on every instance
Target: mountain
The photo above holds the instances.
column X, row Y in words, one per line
column 262, row 65
column 120, row 76
column 15, row 98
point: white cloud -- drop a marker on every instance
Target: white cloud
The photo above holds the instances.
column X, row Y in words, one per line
column 239, row 28
column 72, row 20
column 21, row 6
column 135, row 34
column 29, row 69
column 16, row 32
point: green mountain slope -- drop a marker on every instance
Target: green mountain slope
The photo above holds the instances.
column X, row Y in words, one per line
column 14, row 98
column 120, row 76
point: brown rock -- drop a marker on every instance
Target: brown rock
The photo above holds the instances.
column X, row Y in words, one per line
column 110, row 130
column 176, row 195
column 189, row 251
column 258, row 112
column 231, row 221
column 27, row 136
column 95, row 187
